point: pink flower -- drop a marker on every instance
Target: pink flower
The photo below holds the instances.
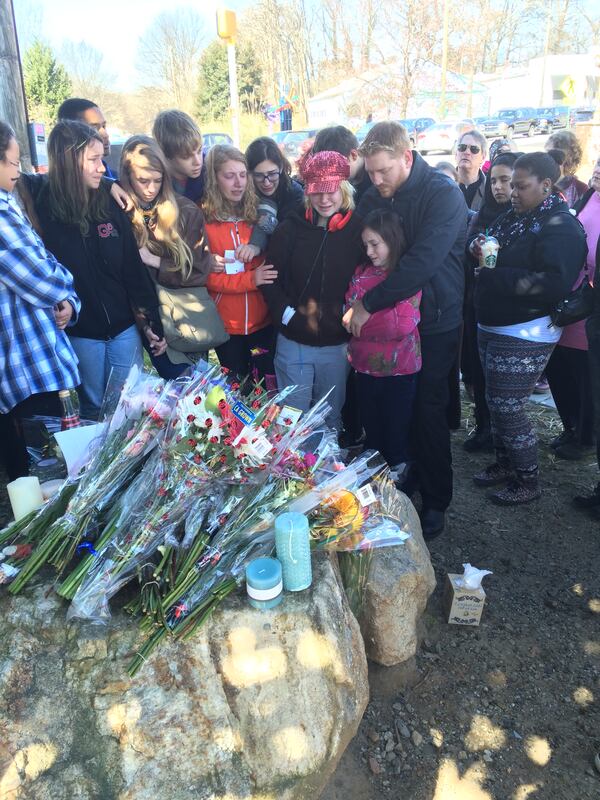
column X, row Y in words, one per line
column 310, row 459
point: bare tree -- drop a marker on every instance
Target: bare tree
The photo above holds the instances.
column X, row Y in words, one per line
column 169, row 54
column 85, row 65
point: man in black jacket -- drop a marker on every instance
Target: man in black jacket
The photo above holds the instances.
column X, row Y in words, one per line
column 433, row 214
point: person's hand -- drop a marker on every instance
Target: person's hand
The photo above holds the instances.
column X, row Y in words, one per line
column 157, row 345
column 355, row 318
column 149, row 259
column 219, row 263
column 121, row 197
column 63, row 312
column 246, row 252
column 265, row 274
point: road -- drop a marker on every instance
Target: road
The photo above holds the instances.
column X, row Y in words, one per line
column 523, row 144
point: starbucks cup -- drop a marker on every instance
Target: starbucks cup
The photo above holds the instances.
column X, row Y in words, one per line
column 489, row 252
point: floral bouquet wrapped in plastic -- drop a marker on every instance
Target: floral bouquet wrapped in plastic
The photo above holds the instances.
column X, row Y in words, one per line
column 134, row 430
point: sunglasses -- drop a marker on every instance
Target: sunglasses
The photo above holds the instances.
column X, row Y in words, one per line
column 474, row 148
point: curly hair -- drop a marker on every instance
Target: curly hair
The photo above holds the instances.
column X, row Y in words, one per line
column 216, row 207
column 163, row 219
column 569, row 144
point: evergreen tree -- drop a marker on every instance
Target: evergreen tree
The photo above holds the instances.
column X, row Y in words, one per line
column 46, row 83
column 212, row 99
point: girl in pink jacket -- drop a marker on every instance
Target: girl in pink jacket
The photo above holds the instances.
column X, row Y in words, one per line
column 387, row 354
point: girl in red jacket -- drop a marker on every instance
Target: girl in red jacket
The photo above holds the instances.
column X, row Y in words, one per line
column 387, row 354
column 230, row 207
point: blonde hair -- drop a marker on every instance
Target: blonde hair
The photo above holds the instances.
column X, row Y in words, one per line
column 143, row 152
column 216, row 207
column 347, row 191
column 390, row 137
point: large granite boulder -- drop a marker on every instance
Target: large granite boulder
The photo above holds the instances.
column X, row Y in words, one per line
column 259, row 705
column 400, row 582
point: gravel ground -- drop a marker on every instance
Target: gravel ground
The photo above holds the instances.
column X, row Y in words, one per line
column 507, row 710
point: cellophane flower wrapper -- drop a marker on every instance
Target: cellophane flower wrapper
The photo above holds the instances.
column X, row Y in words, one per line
column 134, row 431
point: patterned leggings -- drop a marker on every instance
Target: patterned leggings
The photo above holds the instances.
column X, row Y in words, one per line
column 512, row 367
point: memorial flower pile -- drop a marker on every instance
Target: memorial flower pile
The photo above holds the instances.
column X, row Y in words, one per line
column 182, row 493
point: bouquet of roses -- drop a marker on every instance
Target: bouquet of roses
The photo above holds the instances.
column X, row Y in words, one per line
column 134, row 430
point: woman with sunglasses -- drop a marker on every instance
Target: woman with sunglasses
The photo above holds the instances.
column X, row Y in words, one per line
column 471, row 152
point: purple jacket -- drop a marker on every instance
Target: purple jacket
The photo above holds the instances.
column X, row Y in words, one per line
column 389, row 342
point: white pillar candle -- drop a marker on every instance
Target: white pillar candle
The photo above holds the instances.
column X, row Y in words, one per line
column 25, row 495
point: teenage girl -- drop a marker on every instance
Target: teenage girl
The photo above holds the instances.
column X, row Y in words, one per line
column 387, row 354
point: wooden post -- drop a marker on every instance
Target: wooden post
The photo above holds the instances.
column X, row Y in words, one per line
column 12, row 93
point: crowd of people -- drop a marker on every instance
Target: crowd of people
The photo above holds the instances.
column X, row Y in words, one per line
column 359, row 278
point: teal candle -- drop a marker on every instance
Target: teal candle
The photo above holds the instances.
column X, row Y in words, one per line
column 264, row 583
column 292, row 541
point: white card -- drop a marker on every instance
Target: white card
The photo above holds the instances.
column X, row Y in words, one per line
column 260, row 448
column 236, row 266
column 366, row 495
column 289, row 416
column 76, row 445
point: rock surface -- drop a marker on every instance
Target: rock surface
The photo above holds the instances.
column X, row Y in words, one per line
column 400, row 582
column 257, row 706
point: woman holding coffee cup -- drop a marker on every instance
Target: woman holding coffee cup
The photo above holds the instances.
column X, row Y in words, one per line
column 542, row 248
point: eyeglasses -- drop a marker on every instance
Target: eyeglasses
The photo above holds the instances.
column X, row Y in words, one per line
column 263, row 177
column 474, row 148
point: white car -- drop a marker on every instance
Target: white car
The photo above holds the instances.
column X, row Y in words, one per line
column 443, row 136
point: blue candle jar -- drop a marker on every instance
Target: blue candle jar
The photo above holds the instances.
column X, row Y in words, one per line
column 264, row 583
column 292, row 541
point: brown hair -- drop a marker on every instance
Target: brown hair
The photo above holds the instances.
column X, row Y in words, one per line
column 176, row 133
column 142, row 151
column 71, row 201
column 387, row 224
column 569, row 144
column 388, row 136
column 215, row 206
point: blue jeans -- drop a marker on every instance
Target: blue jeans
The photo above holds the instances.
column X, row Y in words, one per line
column 314, row 370
column 97, row 359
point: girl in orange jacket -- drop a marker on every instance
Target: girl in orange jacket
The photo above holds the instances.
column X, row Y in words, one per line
column 230, row 207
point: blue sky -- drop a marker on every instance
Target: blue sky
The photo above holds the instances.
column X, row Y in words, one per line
column 111, row 26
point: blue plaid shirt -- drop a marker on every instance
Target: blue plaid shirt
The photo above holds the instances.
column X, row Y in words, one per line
column 34, row 355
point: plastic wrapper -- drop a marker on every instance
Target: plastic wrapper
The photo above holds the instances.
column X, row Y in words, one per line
column 134, row 431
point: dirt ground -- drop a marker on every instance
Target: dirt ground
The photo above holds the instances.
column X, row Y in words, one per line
column 508, row 710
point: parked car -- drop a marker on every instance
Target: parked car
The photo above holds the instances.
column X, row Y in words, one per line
column 443, row 136
column 510, row 121
column 581, row 114
column 550, row 118
column 211, row 139
column 361, row 133
column 421, row 123
column 297, row 143
column 279, row 138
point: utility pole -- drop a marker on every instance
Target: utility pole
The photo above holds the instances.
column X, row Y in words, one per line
column 546, row 44
column 12, row 92
column 227, row 29
column 442, row 112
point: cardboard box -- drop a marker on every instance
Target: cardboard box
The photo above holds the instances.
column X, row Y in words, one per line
column 462, row 606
